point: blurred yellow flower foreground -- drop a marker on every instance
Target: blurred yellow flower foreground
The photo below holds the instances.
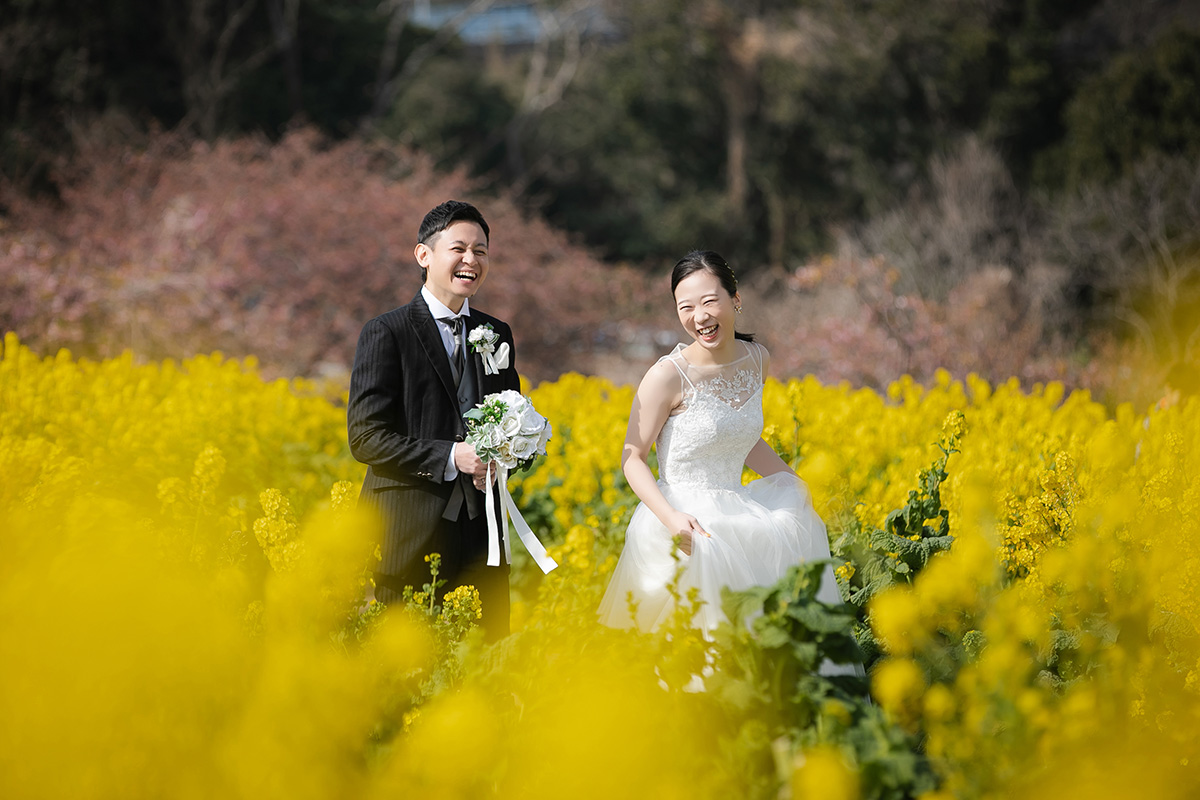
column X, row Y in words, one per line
column 182, row 614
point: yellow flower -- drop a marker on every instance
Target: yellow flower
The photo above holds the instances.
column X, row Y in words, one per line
column 938, row 703
column 207, row 473
column 898, row 685
column 170, row 491
column 822, row 774
column 276, row 531
column 343, row 495
column 955, row 425
column 895, row 617
column 464, row 601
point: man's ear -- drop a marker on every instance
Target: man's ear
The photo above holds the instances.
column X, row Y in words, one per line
column 423, row 254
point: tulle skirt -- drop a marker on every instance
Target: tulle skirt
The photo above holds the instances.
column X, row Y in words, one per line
column 758, row 532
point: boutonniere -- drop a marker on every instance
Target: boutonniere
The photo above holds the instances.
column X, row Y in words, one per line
column 483, row 340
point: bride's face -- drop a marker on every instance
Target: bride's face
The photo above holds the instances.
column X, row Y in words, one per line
column 706, row 310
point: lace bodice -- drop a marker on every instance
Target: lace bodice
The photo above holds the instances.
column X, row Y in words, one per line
column 707, row 442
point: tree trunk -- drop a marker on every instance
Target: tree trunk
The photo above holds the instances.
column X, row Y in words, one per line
column 285, row 19
column 737, row 117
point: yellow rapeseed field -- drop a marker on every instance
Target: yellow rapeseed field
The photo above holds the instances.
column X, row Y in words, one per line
column 183, row 571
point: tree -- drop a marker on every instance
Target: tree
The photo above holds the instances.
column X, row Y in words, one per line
column 754, row 125
column 213, row 67
column 1142, row 103
column 1132, row 247
column 203, row 33
column 279, row 251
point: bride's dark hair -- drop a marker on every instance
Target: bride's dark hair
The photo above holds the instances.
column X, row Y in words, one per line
column 708, row 261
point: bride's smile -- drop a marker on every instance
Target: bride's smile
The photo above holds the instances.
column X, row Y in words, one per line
column 706, row 311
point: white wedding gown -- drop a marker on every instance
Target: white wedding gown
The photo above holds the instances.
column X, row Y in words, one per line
column 758, row 530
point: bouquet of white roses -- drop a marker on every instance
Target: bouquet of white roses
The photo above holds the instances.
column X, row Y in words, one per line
column 507, row 432
column 505, row 428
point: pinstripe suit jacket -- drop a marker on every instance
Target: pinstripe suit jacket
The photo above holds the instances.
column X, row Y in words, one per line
column 403, row 418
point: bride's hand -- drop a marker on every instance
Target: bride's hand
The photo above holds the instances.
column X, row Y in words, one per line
column 686, row 527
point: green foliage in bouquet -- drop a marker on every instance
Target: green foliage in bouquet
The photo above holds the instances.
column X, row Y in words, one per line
column 489, row 412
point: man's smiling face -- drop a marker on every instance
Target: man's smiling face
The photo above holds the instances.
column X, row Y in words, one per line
column 456, row 262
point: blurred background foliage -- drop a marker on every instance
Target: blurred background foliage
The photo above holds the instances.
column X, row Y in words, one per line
column 1048, row 147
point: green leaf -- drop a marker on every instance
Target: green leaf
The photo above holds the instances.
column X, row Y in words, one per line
column 771, row 637
column 818, row 618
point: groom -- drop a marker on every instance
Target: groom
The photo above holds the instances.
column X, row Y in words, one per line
column 415, row 373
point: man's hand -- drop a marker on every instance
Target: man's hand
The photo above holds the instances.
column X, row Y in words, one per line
column 481, row 479
column 467, row 461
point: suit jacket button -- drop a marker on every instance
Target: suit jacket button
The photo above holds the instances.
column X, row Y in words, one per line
column 458, row 437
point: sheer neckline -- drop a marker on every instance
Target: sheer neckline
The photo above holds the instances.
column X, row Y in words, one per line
column 734, row 383
column 679, row 348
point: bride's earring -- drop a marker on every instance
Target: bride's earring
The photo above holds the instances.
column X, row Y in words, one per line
column 738, row 309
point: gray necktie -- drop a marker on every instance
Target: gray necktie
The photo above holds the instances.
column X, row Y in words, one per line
column 458, row 359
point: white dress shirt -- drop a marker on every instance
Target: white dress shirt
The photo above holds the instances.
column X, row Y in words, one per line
column 443, row 314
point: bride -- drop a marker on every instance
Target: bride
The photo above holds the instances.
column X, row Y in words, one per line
column 702, row 406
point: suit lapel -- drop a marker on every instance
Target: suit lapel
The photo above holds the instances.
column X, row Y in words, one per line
column 474, row 359
column 425, row 327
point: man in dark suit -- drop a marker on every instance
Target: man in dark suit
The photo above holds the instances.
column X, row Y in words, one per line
column 414, row 376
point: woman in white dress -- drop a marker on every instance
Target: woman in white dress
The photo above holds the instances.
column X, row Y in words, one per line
column 701, row 406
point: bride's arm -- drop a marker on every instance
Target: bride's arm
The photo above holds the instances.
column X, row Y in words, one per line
column 658, row 393
column 765, row 461
column 762, row 457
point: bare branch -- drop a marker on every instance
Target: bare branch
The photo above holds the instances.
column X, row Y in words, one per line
column 207, row 79
column 389, row 89
column 285, row 21
column 540, row 94
column 384, row 90
column 225, row 41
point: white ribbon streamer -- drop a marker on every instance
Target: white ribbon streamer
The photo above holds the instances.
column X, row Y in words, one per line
column 499, row 532
column 494, row 362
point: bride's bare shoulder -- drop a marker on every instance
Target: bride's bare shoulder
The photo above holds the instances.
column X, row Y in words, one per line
column 661, row 385
column 662, row 374
column 764, row 355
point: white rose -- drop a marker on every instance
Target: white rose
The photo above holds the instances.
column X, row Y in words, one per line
column 513, row 401
column 544, row 439
column 510, row 425
column 524, row 447
column 504, row 455
column 531, row 421
column 496, row 436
